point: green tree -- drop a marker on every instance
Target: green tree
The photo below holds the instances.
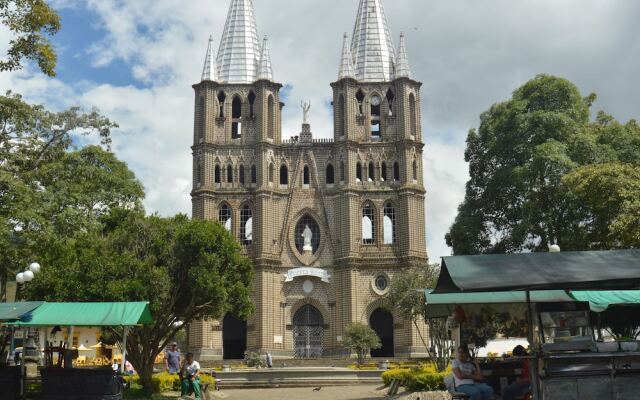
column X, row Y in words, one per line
column 32, row 23
column 406, row 298
column 47, row 186
column 187, row 269
column 609, row 195
column 361, row 339
column 515, row 199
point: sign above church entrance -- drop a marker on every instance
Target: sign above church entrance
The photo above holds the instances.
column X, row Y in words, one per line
column 324, row 276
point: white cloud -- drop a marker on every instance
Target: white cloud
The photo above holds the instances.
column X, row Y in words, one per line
column 468, row 53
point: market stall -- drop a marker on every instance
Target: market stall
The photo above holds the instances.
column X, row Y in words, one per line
column 566, row 363
column 10, row 376
column 72, row 383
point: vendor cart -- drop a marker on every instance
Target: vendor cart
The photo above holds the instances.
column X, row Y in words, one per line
column 567, row 362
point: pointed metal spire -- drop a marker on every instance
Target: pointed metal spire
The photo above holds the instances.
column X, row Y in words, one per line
column 239, row 50
column 372, row 46
column 346, row 64
column 209, row 70
column 264, row 67
column 403, row 70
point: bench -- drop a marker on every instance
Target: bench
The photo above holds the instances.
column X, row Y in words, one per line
column 394, row 386
column 450, row 384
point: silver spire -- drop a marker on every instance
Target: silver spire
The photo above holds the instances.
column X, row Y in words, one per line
column 239, row 47
column 209, row 71
column 403, row 69
column 264, row 67
column 371, row 46
column 346, row 65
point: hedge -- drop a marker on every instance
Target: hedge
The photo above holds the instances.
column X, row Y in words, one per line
column 423, row 378
column 165, row 382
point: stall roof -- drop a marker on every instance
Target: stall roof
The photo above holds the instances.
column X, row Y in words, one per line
column 88, row 314
column 582, row 270
column 13, row 311
column 442, row 305
column 601, row 300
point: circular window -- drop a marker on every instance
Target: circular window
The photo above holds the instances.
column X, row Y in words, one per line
column 381, row 283
column 307, row 237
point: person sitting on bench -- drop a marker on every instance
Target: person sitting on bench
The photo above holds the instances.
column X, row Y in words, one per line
column 468, row 377
column 189, row 376
column 522, row 385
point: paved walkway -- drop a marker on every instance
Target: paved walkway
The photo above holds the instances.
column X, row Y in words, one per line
column 356, row 392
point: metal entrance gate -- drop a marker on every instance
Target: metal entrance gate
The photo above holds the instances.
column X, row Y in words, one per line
column 308, row 332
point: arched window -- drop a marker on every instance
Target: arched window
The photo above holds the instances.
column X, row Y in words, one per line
column 246, row 226
column 271, row 112
column 254, row 174
column 252, row 101
column 413, row 115
column 415, row 170
column 224, row 216
column 389, row 224
column 199, row 173
column 217, row 174
column 329, row 177
column 390, row 98
column 305, row 175
column 376, row 127
column 271, row 172
column 241, row 177
column 368, row 224
column 236, row 118
column 221, row 99
column 360, row 99
column 202, row 126
column 342, row 114
column 383, row 171
column 284, row 175
column 372, row 172
column 342, row 171
column 229, row 174
column 358, row 172
column 396, row 172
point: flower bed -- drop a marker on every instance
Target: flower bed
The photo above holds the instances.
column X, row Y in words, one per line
column 165, row 382
column 422, row 378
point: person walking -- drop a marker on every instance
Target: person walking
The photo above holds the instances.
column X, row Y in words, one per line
column 190, row 377
column 172, row 359
column 269, row 360
column 468, row 377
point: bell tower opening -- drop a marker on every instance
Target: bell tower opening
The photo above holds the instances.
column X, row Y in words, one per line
column 376, row 128
column 236, row 118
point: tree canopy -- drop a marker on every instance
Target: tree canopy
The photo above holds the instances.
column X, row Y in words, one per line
column 187, row 269
column 49, row 186
column 516, row 198
column 32, row 23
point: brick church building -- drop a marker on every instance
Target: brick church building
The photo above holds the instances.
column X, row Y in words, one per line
column 328, row 223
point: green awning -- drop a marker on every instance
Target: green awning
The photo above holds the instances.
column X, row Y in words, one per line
column 599, row 301
column 580, row 270
column 13, row 311
column 442, row 305
column 88, row 314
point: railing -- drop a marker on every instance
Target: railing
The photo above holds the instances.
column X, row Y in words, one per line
column 296, row 140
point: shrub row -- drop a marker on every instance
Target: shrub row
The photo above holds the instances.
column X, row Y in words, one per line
column 423, row 378
column 165, row 382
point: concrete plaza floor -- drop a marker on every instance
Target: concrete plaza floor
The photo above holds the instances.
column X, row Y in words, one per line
column 354, row 392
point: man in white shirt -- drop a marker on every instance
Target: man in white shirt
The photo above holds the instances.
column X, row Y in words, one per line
column 190, row 376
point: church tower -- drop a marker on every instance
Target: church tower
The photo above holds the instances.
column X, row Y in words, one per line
column 328, row 223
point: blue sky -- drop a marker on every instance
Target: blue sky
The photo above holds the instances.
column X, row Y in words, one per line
column 136, row 61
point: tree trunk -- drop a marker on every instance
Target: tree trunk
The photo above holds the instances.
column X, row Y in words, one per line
column 146, row 372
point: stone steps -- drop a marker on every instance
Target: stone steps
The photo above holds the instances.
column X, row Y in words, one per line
column 296, row 377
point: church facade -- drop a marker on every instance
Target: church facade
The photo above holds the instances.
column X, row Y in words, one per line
column 328, row 223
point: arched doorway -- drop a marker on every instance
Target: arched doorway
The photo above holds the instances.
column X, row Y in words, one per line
column 381, row 321
column 234, row 338
column 308, row 332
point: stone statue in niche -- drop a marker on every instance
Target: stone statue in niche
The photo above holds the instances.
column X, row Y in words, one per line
column 307, row 235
